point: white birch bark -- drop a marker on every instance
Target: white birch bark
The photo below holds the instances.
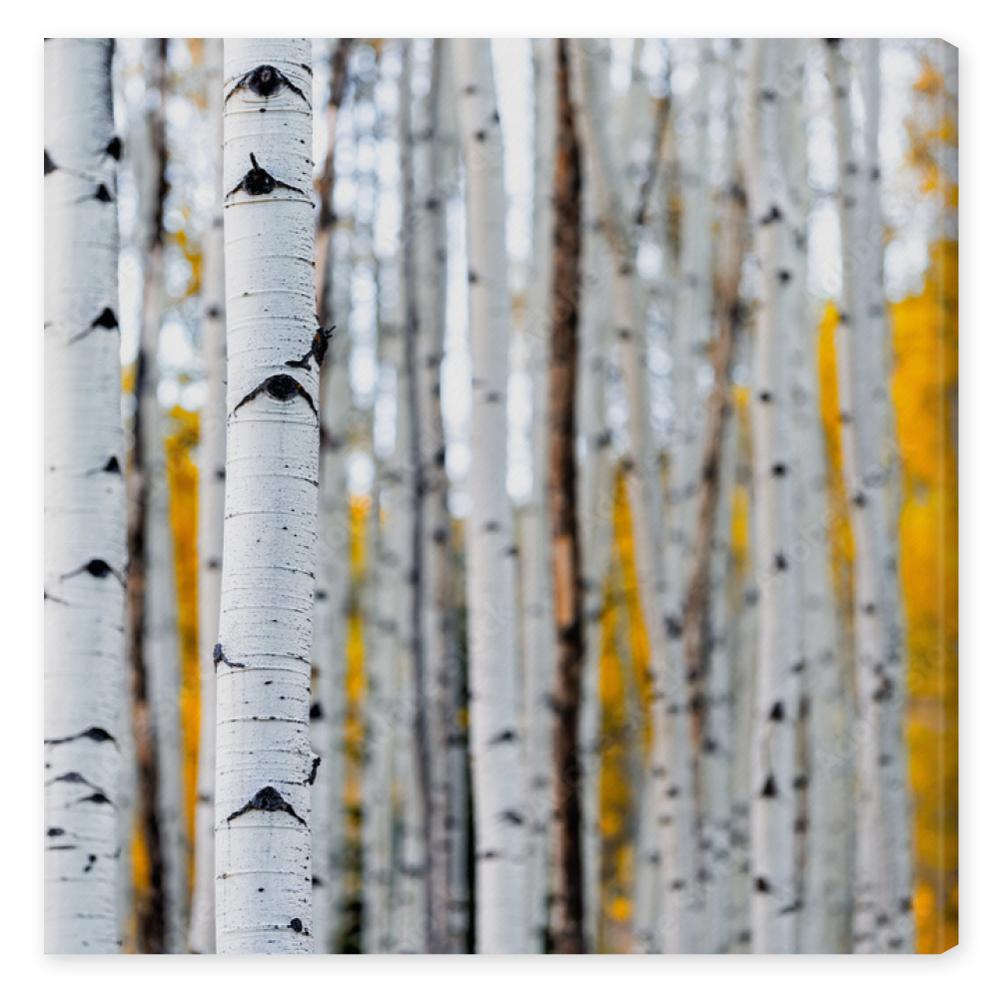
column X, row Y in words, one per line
column 539, row 639
column 84, row 501
column 673, row 813
column 880, row 911
column 773, row 799
column 264, row 768
column 496, row 748
column 211, row 507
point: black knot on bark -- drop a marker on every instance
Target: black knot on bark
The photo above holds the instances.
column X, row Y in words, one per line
column 98, row 568
column 257, row 180
column 281, row 387
column 772, row 215
column 779, row 469
column 107, row 320
column 114, row 148
column 264, row 81
column 770, row 789
column 50, row 165
column 777, row 713
column 780, row 562
column 761, row 884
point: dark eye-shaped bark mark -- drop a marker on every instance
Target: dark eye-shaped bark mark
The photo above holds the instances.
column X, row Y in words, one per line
column 218, row 656
column 50, row 165
column 257, row 181
column 97, row 568
column 297, row 926
column 95, row 733
column 96, row 799
column 114, row 148
column 279, row 387
column 265, row 81
column 317, row 350
column 316, row 760
column 75, row 778
column 106, row 321
column 268, row 799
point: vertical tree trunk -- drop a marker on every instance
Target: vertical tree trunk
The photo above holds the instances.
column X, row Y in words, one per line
column 211, row 506
column 773, row 797
column 566, row 920
column 327, row 710
column 498, row 769
column 430, row 250
column 671, row 767
column 84, row 501
column 264, row 768
column 882, row 904
column 536, row 562
column 151, row 583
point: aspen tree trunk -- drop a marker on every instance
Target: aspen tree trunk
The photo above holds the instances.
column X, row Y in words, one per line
column 327, row 716
column 596, row 483
column 773, row 798
column 825, row 808
column 900, row 934
column 430, row 250
column 498, row 767
column 671, row 756
column 84, row 501
column 743, row 652
column 211, row 508
column 881, row 905
column 414, row 775
column 151, row 581
column 705, row 602
column 264, row 768
column 566, row 921
column 536, row 563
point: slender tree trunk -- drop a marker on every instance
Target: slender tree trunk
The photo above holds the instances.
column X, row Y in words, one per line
column 773, row 758
column 151, row 583
column 882, row 904
column 498, row 768
column 211, row 508
column 536, row 562
column 327, row 710
column 84, row 501
column 566, row 921
column 264, row 768
column 437, row 626
column 671, row 766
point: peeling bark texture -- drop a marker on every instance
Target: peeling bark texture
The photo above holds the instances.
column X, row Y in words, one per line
column 566, row 919
column 84, row 512
column 499, row 790
column 774, row 900
column 211, row 505
column 536, row 564
column 882, row 907
column 672, row 799
column 327, row 709
column 263, row 759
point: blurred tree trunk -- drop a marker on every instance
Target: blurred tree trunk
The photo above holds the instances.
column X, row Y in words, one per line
column 497, row 739
column 211, row 504
column 672, row 801
column 536, row 564
column 328, row 704
column 774, row 901
column 264, row 767
column 152, row 594
column 566, row 920
column 84, row 502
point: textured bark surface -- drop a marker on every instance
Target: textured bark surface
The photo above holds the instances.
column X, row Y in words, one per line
column 497, row 763
column 84, row 502
column 566, row 919
column 264, row 767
